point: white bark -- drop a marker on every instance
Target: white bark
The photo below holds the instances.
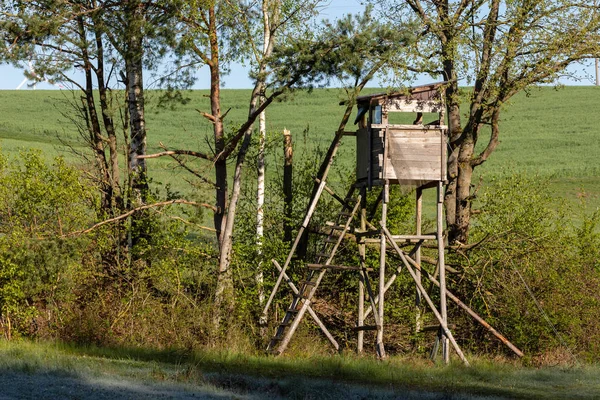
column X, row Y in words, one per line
column 260, row 191
column 260, row 201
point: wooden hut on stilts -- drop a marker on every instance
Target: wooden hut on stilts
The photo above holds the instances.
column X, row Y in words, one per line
column 413, row 156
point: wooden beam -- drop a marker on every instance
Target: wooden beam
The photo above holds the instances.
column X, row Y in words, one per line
column 426, row 297
column 312, row 313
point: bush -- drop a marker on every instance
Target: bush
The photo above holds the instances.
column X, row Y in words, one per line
column 40, row 205
column 532, row 276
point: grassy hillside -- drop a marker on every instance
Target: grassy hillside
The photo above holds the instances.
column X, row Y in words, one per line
column 548, row 132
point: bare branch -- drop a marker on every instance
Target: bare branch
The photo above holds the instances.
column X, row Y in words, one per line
column 137, row 209
column 171, row 153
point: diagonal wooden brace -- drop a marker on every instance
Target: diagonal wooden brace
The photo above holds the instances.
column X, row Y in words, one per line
column 426, row 296
column 469, row 311
column 312, row 313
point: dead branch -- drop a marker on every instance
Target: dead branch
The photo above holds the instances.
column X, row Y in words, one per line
column 208, row 116
column 177, row 152
column 141, row 208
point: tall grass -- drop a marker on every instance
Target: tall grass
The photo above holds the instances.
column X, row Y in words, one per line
column 336, row 377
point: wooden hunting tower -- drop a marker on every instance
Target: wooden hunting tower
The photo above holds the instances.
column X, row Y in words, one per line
column 412, row 155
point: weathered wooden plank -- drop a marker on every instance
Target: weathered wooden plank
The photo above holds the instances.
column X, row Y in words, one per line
column 397, row 133
column 428, row 156
column 405, row 126
column 412, row 164
column 412, row 105
column 415, row 140
column 414, row 174
column 417, row 147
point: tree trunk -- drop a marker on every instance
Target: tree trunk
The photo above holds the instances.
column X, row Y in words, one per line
column 137, row 129
column 224, row 289
column 109, row 127
column 459, row 231
column 134, row 87
column 93, row 123
column 260, row 201
column 455, row 132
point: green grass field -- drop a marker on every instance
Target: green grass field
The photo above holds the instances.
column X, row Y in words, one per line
column 81, row 372
column 550, row 133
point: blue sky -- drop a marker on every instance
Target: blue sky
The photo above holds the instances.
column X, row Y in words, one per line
column 11, row 77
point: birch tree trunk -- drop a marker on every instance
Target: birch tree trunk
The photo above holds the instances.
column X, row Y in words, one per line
column 262, row 133
column 224, row 299
column 260, row 201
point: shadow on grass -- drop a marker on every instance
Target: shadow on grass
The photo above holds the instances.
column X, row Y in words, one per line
column 344, row 376
column 334, row 375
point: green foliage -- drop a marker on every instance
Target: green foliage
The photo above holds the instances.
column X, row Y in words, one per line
column 348, row 49
column 531, row 276
column 40, row 205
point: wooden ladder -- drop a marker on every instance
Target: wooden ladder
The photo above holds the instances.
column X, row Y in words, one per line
column 314, row 274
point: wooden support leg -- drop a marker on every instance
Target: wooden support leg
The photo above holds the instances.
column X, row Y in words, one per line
column 382, row 257
column 426, row 296
column 418, row 223
column 367, row 283
column 442, row 267
column 361, row 285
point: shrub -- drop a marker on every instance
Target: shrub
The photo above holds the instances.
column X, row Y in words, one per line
column 40, row 204
column 530, row 276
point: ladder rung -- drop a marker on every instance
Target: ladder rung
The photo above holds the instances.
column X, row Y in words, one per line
column 338, row 267
column 365, row 328
column 345, row 214
column 414, row 237
column 338, row 227
column 308, row 283
column 368, row 233
column 430, row 328
column 322, row 255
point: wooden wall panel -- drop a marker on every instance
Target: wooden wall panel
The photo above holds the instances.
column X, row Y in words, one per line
column 416, row 154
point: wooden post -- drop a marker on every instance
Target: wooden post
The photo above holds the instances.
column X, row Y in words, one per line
column 382, row 255
column 380, row 348
column 426, row 297
column 419, row 211
column 288, row 153
column 362, row 255
column 442, row 270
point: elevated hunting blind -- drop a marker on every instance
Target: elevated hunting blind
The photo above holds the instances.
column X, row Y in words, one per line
column 409, row 154
column 390, row 150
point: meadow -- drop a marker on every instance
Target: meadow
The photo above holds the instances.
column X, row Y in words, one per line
column 550, row 133
column 71, row 371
